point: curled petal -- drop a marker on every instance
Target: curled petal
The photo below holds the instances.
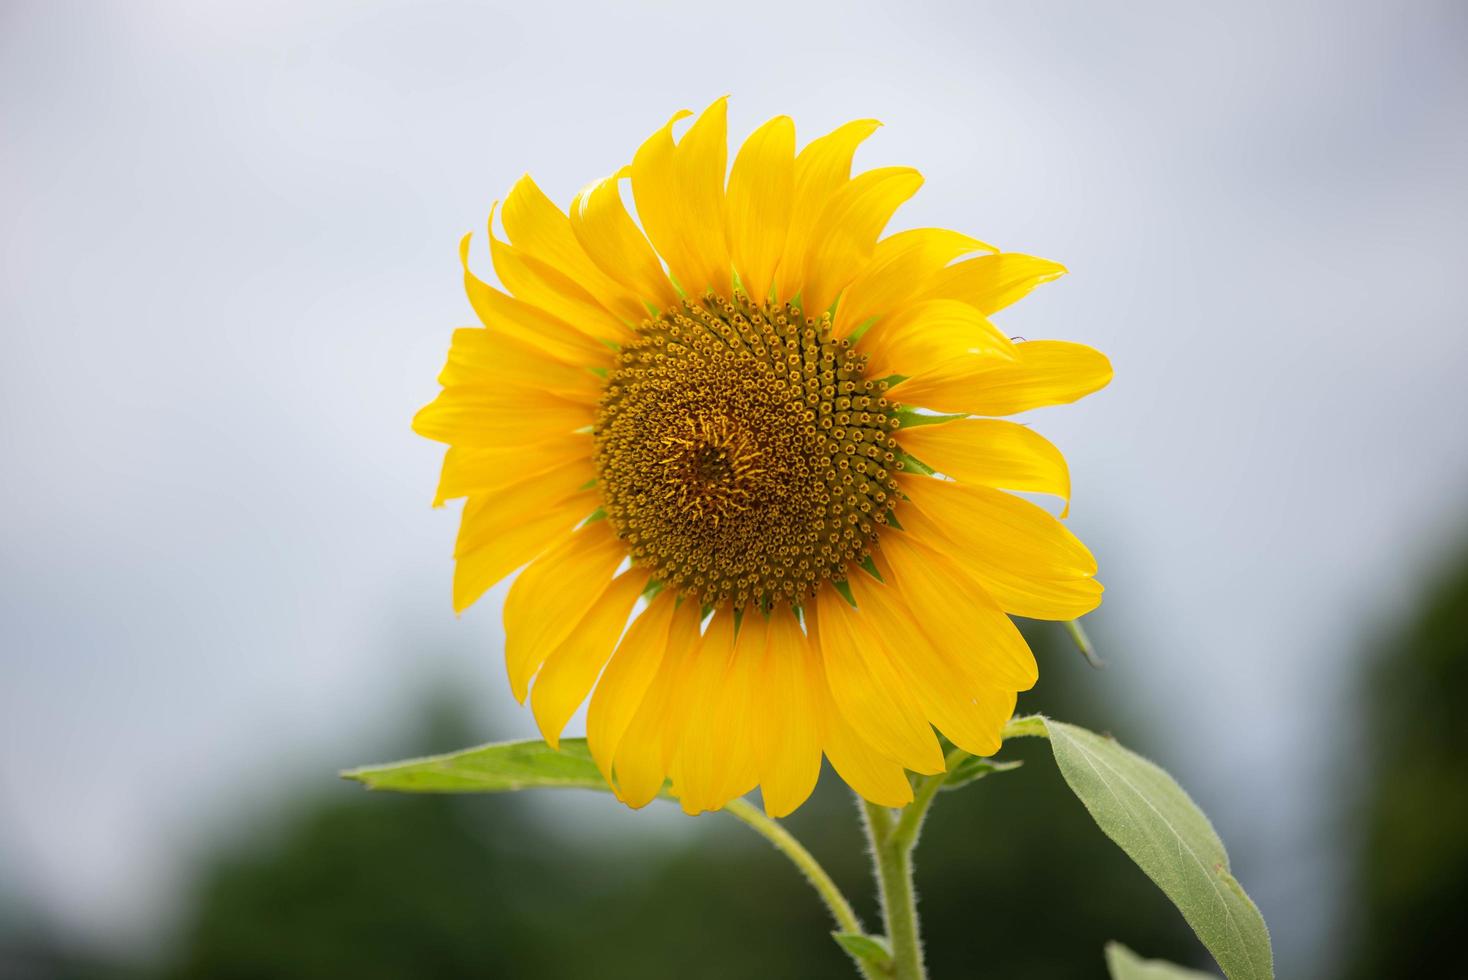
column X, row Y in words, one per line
column 761, row 195
column 992, row 453
column 992, row 282
column 821, row 169
column 929, row 335
column 1043, row 372
column 538, row 228
column 572, row 668
column 549, row 598
column 612, row 239
column 845, row 234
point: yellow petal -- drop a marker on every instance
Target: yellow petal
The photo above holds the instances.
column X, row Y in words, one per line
column 718, row 757
column 928, row 335
column 608, row 234
column 693, row 763
column 948, row 698
column 639, row 771
column 963, row 622
column 505, row 314
column 645, row 750
column 655, row 190
column 761, row 194
column 550, row 597
column 874, row 777
column 1019, row 553
column 572, row 668
column 484, row 357
column 992, row 453
column 488, row 516
column 538, row 228
column 549, row 289
column 1044, row 372
column 1016, row 529
column 789, row 740
column 623, row 684
column 992, row 282
column 821, row 169
column 899, row 268
column 685, row 636
column 845, row 234
column 868, row 690
column 467, row 470
column 499, row 416
column 702, row 160
column 740, row 713
column 503, row 539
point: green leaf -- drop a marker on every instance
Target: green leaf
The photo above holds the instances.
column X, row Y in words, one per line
column 973, row 768
column 493, row 768
column 1157, row 824
column 1123, row 964
column 866, row 949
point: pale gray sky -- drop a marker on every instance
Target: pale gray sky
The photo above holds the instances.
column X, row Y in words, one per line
column 228, row 277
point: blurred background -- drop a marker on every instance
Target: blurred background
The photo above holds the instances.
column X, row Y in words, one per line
column 227, row 280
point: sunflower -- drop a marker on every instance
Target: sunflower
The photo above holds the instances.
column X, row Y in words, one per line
column 742, row 449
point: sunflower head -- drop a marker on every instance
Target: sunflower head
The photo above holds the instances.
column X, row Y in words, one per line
column 743, row 454
column 748, row 454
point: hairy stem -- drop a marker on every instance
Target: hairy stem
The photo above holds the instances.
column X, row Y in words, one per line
column 786, row 844
column 894, row 881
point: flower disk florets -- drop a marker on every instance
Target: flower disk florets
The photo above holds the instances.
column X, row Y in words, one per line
column 742, row 455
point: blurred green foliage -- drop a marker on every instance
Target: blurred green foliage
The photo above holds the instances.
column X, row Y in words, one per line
column 1412, row 830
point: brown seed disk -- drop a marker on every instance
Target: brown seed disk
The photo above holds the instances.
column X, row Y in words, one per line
column 741, row 454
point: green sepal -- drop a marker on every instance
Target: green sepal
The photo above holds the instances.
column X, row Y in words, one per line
column 974, row 768
column 861, row 328
column 872, row 950
column 1083, row 643
column 908, row 418
column 912, row 464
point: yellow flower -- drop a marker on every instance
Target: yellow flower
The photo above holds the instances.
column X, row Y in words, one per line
column 694, row 417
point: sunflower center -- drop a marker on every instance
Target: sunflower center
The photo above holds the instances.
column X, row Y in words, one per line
column 741, row 454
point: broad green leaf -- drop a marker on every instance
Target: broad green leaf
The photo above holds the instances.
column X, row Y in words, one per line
column 1157, row 824
column 488, row 769
column 972, row 768
column 867, row 949
column 1123, row 964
